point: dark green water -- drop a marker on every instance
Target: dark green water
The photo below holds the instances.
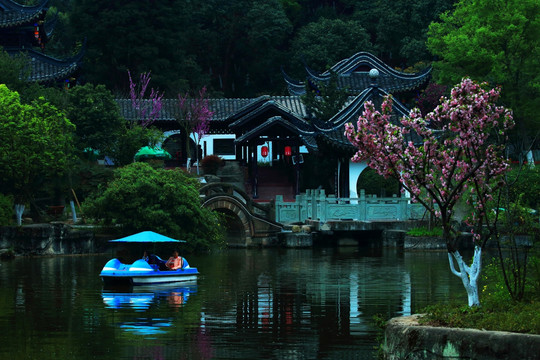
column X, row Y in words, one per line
column 247, row 304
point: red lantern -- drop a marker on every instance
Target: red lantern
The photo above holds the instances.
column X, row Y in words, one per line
column 288, row 151
column 264, row 151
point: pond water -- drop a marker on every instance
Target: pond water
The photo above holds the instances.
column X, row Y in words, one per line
column 247, row 304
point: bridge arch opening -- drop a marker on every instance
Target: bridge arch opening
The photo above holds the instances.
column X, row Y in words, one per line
column 235, row 231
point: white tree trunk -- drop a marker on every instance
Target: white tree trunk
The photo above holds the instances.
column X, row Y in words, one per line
column 530, row 158
column 19, row 209
column 468, row 274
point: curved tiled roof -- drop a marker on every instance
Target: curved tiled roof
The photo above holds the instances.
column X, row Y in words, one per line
column 333, row 130
column 279, row 105
column 304, row 131
column 350, row 78
column 43, row 68
column 170, row 111
column 249, row 118
column 225, row 110
column 14, row 14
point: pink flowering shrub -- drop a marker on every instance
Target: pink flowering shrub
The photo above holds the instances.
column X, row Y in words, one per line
column 147, row 110
column 457, row 154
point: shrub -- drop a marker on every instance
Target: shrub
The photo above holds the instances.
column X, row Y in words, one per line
column 494, row 289
column 526, row 186
column 6, row 209
column 141, row 198
column 211, row 164
column 423, row 231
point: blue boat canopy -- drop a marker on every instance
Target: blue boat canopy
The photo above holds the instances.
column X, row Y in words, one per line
column 146, row 237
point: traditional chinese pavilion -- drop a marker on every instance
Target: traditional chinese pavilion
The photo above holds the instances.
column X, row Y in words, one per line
column 23, row 30
column 272, row 130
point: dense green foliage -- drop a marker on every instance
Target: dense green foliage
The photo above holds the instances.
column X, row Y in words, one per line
column 141, row 198
column 321, row 43
column 6, row 209
column 375, row 184
column 95, row 114
column 496, row 41
column 11, row 71
column 36, row 144
column 324, row 100
column 236, row 48
column 525, row 183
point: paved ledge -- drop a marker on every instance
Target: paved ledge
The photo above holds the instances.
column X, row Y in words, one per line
column 404, row 338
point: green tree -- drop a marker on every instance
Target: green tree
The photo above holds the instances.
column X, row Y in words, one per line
column 6, row 209
column 166, row 201
column 95, row 114
column 130, row 140
column 322, row 43
column 398, row 28
column 141, row 36
column 36, row 144
column 496, row 41
column 324, row 100
column 12, row 71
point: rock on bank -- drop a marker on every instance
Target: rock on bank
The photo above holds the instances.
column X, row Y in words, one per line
column 404, row 338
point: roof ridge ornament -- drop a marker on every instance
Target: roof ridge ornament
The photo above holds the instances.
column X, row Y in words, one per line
column 373, row 75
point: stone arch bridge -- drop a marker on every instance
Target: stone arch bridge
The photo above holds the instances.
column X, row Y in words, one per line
column 248, row 223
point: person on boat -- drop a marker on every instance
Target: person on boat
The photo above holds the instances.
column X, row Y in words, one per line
column 175, row 261
column 145, row 256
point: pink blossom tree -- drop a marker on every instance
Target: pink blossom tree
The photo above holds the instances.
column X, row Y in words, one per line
column 195, row 117
column 147, row 109
column 456, row 157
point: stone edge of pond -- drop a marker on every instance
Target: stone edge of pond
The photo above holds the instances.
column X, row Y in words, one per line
column 405, row 338
column 50, row 239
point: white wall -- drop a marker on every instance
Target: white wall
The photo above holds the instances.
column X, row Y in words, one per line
column 355, row 169
column 208, row 141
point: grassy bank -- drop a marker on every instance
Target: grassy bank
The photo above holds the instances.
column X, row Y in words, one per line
column 499, row 312
column 520, row 317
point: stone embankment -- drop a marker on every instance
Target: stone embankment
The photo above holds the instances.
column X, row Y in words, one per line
column 405, row 338
column 47, row 239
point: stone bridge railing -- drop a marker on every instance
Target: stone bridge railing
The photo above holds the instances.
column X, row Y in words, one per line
column 314, row 204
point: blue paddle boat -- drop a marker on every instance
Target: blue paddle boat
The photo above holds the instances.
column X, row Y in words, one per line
column 146, row 271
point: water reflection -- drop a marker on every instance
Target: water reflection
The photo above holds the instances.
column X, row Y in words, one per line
column 247, row 304
column 142, row 297
column 146, row 327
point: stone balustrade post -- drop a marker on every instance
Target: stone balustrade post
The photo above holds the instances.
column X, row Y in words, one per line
column 279, row 205
column 313, row 199
column 322, row 207
column 362, row 205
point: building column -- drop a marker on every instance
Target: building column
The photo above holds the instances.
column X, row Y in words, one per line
column 254, row 171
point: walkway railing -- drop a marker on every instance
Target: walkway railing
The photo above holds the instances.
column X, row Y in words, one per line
column 314, row 204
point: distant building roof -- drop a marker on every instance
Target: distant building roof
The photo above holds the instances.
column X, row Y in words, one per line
column 353, row 74
column 14, row 14
column 225, row 110
column 22, row 30
column 277, row 116
column 44, row 68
